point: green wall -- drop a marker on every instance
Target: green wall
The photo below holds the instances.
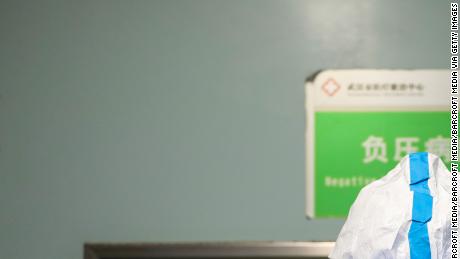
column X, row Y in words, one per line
column 177, row 120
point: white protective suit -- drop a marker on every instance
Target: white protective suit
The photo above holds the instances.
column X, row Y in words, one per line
column 405, row 214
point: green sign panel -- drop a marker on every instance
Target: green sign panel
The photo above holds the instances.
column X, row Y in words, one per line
column 354, row 153
column 359, row 128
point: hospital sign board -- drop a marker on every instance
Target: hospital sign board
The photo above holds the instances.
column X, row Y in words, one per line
column 360, row 123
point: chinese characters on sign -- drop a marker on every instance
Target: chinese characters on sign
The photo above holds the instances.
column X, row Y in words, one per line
column 376, row 148
column 361, row 123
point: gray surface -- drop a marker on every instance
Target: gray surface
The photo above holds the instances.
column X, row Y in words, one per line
column 177, row 120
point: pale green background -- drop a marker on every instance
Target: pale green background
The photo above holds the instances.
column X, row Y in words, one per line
column 177, row 120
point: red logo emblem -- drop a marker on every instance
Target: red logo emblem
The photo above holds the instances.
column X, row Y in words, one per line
column 330, row 87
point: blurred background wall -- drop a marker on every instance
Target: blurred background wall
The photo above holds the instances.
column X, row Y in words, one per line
column 177, row 120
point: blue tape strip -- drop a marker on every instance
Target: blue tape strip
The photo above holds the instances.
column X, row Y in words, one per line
column 419, row 241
